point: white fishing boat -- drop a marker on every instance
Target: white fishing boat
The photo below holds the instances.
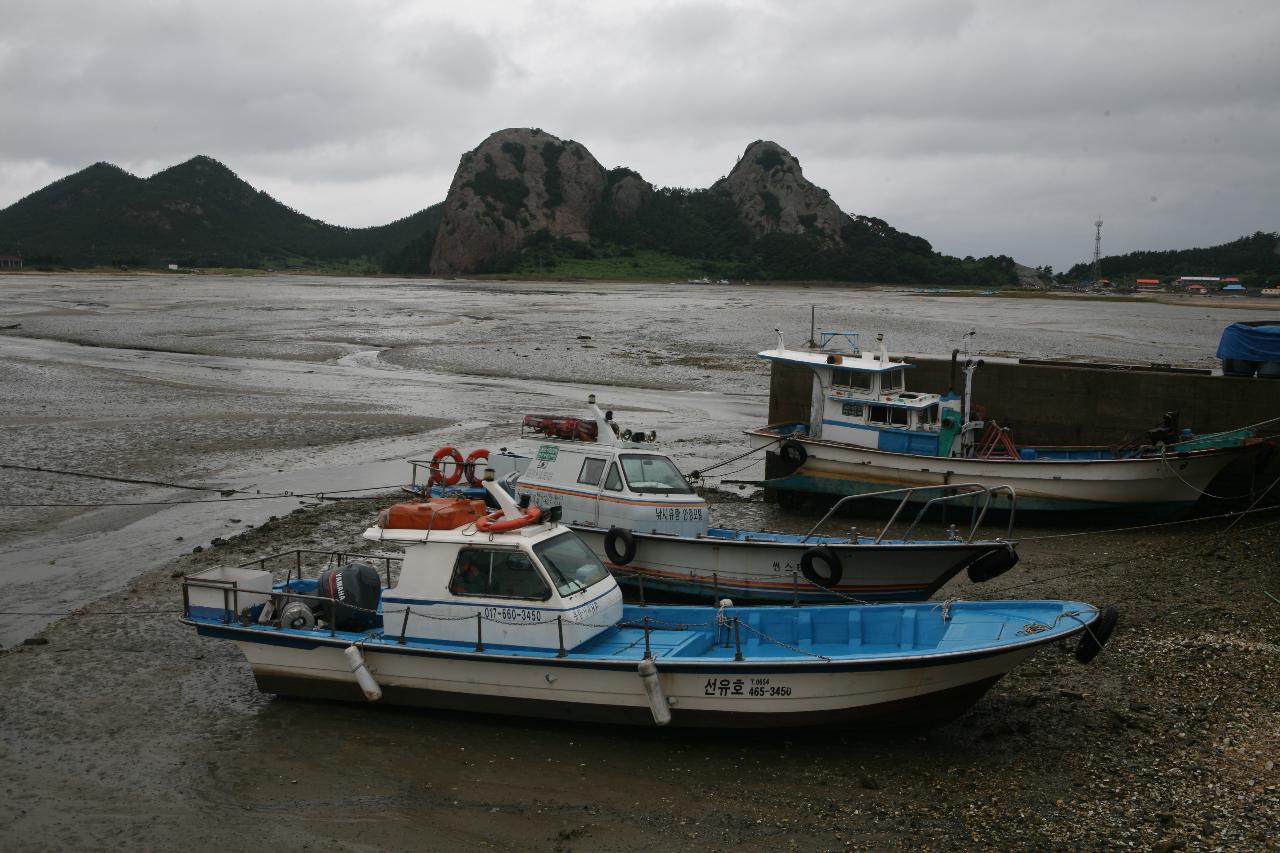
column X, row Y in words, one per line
column 866, row 433
column 509, row 612
column 629, row 502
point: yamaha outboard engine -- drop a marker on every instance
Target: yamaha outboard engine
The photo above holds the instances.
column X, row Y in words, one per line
column 355, row 588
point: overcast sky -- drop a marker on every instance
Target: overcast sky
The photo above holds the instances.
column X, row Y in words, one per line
column 984, row 127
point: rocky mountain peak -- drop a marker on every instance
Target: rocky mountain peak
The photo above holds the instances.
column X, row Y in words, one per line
column 516, row 183
column 774, row 197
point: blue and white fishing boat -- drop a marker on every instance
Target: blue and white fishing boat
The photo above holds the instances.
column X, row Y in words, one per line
column 629, row 502
column 510, row 613
column 866, row 433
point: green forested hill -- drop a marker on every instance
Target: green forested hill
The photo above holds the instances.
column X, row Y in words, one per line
column 703, row 225
column 1254, row 259
column 198, row 213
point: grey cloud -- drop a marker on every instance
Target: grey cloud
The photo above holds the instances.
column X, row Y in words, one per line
column 984, row 126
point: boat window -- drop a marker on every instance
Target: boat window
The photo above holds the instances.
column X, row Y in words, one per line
column 929, row 415
column 654, row 474
column 891, row 381
column 497, row 574
column 613, row 482
column 899, row 416
column 851, row 410
column 591, row 471
column 570, row 563
column 878, row 414
column 854, row 380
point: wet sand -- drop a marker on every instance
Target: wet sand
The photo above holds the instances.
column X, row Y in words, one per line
column 129, row 731
column 126, row 731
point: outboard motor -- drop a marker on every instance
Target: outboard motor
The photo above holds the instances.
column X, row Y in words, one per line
column 356, row 589
column 1166, row 432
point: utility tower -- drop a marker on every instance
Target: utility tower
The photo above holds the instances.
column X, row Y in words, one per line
column 1097, row 251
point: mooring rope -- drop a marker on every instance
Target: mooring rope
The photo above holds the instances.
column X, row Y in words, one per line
column 698, row 474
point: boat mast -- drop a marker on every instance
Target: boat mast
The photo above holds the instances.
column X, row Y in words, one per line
column 967, row 430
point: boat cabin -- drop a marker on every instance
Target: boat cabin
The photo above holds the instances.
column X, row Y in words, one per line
column 531, row 588
column 603, row 479
column 861, row 399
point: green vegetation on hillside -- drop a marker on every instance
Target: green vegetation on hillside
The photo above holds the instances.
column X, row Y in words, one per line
column 566, row 259
column 703, row 225
column 196, row 214
column 1254, row 259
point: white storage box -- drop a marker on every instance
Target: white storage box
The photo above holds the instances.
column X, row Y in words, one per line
column 223, row 593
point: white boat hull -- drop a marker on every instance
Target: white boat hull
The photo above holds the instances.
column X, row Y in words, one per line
column 698, row 695
column 710, row 568
column 1158, row 484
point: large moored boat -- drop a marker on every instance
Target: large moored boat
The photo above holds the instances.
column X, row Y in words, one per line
column 866, row 433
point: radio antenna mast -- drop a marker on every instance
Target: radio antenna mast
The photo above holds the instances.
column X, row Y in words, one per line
column 1097, row 251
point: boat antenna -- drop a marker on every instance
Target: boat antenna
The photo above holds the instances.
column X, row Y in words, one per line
column 966, row 435
column 812, row 320
column 778, row 332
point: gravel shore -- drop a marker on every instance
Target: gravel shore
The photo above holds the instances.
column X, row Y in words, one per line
column 122, row 729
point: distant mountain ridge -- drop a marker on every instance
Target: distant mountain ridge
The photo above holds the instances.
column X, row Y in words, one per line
column 522, row 201
column 197, row 213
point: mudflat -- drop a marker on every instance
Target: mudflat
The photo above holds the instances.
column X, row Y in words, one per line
column 126, row 730
column 119, row 728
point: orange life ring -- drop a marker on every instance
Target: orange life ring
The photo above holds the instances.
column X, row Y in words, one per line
column 493, row 522
column 469, row 467
column 438, row 477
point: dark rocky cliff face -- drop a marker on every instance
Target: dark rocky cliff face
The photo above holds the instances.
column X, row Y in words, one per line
column 514, row 185
column 773, row 196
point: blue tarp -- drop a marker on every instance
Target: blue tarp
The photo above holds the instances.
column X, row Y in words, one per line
column 1250, row 343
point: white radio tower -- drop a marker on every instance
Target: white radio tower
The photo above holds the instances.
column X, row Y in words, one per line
column 1097, row 251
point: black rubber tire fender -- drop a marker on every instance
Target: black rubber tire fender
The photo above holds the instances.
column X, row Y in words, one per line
column 821, row 554
column 1096, row 635
column 620, row 536
column 793, row 452
column 993, row 564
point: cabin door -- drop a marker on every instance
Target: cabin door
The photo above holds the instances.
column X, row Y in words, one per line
column 589, row 478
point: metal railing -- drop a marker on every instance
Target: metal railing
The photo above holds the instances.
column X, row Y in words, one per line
column 964, row 491
column 297, row 560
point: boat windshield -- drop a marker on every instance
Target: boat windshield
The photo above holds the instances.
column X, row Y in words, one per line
column 570, row 563
column 654, row 475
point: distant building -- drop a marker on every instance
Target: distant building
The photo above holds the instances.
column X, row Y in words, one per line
column 1236, row 289
column 1271, row 291
column 1197, row 287
column 1188, row 280
column 10, row 262
column 1148, row 285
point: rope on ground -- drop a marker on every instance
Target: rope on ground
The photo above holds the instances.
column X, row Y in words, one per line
column 1153, row 525
column 1256, row 501
column 115, row 479
column 1138, row 558
column 170, row 611
column 344, row 495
